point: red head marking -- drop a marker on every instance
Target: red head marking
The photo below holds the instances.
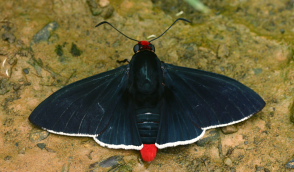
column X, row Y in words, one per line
column 144, row 45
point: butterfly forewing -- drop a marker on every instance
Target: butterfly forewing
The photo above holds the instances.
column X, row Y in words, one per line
column 91, row 107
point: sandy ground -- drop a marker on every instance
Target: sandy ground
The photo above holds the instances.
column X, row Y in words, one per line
column 246, row 40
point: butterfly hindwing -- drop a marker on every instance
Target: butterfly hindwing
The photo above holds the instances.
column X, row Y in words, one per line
column 197, row 100
column 95, row 107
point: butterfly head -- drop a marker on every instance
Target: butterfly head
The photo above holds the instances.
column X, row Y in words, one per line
column 143, row 45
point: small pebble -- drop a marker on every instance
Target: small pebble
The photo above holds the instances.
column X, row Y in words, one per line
column 257, row 71
column 223, row 51
column 94, row 7
column 229, row 129
column 58, row 50
column 259, row 168
column 112, row 161
column 41, row 145
column 75, row 51
column 290, row 164
column 26, row 70
column 45, row 33
column 16, row 87
column 50, row 150
column 108, row 11
column 104, row 9
column 7, row 158
column 104, row 3
column 228, row 162
column 8, row 37
column 38, row 135
column 94, row 166
column 266, row 170
column 189, row 51
column 6, row 27
column 233, row 169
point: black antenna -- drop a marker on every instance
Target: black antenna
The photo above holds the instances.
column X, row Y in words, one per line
column 170, row 27
column 105, row 22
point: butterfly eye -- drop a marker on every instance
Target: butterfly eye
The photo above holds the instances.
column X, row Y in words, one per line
column 137, row 47
column 152, row 47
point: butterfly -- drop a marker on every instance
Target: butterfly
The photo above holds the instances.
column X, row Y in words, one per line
column 147, row 104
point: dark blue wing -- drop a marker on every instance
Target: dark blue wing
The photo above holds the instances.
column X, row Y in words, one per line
column 196, row 100
column 96, row 107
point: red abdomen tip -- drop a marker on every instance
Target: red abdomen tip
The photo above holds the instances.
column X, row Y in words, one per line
column 149, row 152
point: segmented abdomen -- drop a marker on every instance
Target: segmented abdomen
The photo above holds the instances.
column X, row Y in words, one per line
column 148, row 124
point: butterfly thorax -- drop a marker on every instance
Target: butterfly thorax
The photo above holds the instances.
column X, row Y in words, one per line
column 145, row 78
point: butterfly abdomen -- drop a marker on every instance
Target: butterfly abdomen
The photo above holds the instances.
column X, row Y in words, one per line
column 148, row 124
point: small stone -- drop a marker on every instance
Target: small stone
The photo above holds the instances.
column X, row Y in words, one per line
column 8, row 37
column 45, row 33
column 282, row 54
column 16, row 87
column 7, row 158
column 223, row 51
column 107, row 12
column 75, row 51
column 229, row 129
column 266, row 170
column 233, row 169
column 290, row 164
column 104, row 3
column 112, row 161
column 38, row 135
column 189, row 51
column 26, row 70
column 6, row 27
column 58, row 50
column 228, row 162
column 259, row 168
column 41, row 145
column 257, row 71
column 94, row 7
column 50, row 150
column 94, row 166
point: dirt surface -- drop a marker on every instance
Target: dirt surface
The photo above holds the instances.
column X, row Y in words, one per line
column 48, row 44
